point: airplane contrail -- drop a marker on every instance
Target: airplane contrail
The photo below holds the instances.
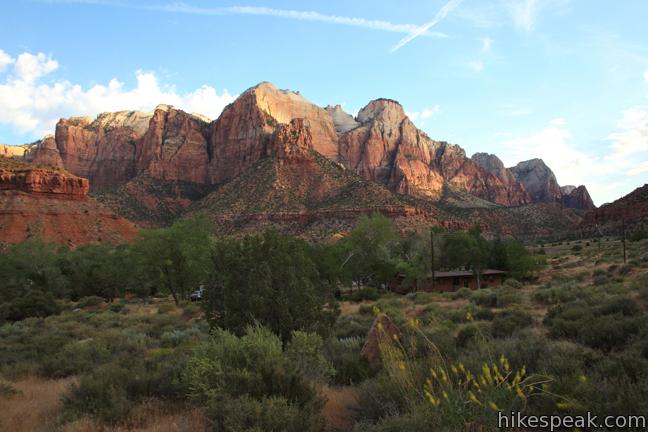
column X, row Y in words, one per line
column 440, row 16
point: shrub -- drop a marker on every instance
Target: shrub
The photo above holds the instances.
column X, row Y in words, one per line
column 508, row 322
column 117, row 307
column 472, row 333
column 266, row 414
column 599, row 280
column 605, row 326
column 253, row 367
column 482, row 313
column 89, row 301
column 577, row 248
column 639, row 235
column 34, row 304
column 462, row 293
column 484, row 297
column 508, row 296
column 362, row 294
column 100, row 395
column 513, row 283
column 350, row 368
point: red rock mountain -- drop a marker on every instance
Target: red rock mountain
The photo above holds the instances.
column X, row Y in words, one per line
column 144, row 164
column 632, row 208
column 54, row 205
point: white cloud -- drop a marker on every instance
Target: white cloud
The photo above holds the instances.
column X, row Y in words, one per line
column 476, row 65
column 632, row 136
column 5, row 60
column 33, row 106
column 425, row 114
column 28, row 67
column 487, row 44
column 607, row 175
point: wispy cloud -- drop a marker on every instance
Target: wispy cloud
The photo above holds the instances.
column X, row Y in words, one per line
column 476, row 65
column 440, row 16
column 525, row 13
column 300, row 15
column 487, row 44
column 645, row 73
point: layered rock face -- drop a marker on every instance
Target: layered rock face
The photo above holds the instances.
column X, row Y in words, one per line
column 101, row 150
column 381, row 144
column 174, row 147
column 53, row 205
column 40, row 181
column 576, row 197
column 538, row 179
column 11, row 151
column 389, row 149
column 242, row 133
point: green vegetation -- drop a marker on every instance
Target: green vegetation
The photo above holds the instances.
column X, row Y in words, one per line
column 283, row 322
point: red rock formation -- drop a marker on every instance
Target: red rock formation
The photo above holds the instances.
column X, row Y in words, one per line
column 631, row 208
column 242, row 132
column 53, row 205
column 577, row 197
column 389, row 149
column 174, row 147
column 11, row 151
column 45, row 152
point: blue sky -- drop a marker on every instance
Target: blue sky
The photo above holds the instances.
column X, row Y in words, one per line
column 564, row 80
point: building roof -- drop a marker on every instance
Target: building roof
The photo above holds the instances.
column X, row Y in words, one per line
column 465, row 273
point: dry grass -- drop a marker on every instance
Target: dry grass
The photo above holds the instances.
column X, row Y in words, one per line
column 338, row 410
column 150, row 417
column 36, row 406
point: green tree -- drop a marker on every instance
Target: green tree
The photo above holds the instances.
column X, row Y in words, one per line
column 31, row 280
column 367, row 251
column 177, row 258
column 268, row 279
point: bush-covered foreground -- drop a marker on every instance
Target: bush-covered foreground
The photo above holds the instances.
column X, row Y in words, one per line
column 270, row 348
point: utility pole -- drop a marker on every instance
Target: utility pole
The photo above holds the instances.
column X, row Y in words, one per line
column 432, row 255
column 623, row 233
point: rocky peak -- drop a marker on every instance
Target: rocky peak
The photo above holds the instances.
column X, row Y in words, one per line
column 490, row 163
column 567, row 189
column 538, row 179
column 343, row 121
column 383, row 110
column 577, row 197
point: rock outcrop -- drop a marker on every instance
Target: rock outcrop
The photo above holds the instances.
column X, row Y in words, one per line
column 389, row 149
column 12, row 151
column 174, row 147
column 242, row 133
column 343, row 121
column 538, row 180
column 53, row 205
column 576, row 197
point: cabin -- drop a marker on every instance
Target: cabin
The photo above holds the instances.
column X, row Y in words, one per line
column 448, row 281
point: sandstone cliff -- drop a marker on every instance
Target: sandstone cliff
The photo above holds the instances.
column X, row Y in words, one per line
column 53, row 205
